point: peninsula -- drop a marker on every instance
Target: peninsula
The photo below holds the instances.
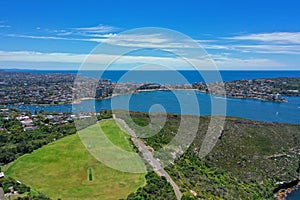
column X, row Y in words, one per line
column 21, row 88
column 272, row 89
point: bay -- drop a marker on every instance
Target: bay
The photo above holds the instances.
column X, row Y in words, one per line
column 244, row 108
column 172, row 101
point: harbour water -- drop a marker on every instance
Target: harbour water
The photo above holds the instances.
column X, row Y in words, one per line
column 295, row 195
column 172, row 101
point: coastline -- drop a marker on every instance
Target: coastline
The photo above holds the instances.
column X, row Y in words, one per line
column 240, row 97
column 283, row 193
column 79, row 100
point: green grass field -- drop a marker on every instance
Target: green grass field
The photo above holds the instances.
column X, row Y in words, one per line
column 61, row 169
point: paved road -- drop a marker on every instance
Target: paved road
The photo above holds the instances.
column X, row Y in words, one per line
column 145, row 150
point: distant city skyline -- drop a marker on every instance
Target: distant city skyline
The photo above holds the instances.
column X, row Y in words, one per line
column 238, row 35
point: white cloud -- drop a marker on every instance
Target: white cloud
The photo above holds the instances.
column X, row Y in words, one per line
column 264, row 43
column 267, row 49
column 57, row 38
column 97, row 29
column 3, row 24
column 274, row 46
column 37, row 37
column 260, row 43
column 275, row 37
column 32, row 56
column 248, row 63
column 97, row 61
column 161, row 42
column 97, row 34
column 63, row 32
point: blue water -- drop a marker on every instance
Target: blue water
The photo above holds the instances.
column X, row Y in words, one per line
column 295, row 195
column 245, row 108
column 169, row 76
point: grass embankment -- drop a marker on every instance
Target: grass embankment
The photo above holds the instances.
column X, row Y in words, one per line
column 65, row 169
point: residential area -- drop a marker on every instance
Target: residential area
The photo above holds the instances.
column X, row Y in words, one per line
column 262, row 89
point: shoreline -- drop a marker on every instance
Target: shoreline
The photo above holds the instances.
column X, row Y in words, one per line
column 253, row 98
column 78, row 101
column 282, row 194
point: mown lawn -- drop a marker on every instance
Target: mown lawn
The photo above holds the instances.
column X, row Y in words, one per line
column 60, row 169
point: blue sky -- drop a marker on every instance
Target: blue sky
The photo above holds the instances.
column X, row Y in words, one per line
column 55, row 34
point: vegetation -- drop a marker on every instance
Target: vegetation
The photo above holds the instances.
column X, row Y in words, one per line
column 156, row 188
column 286, row 86
column 60, row 170
column 24, row 192
column 248, row 160
column 8, row 184
column 161, row 137
column 105, row 114
column 90, row 174
column 210, row 182
column 14, row 142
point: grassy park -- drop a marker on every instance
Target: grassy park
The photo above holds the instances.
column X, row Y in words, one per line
column 65, row 169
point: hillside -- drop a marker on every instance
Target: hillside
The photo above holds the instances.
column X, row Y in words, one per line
column 64, row 169
column 248, row 160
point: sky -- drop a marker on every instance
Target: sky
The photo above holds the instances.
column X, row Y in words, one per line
column 233, row 35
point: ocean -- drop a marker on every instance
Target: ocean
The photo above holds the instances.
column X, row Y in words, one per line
column 180, row 76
